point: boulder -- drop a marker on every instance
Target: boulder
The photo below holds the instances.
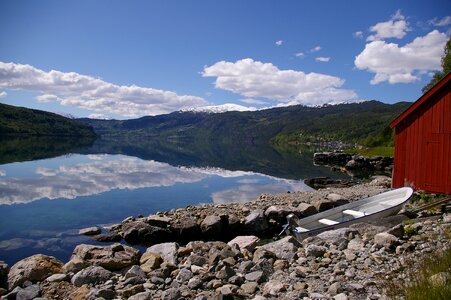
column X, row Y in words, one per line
column 325, row 204
column 167, row 251
column 57, row 278
column 171, row 294
column 256, row 222
column 247, row 242
column 211, row 226
column 29, row 293
column 108, row 237
column 159, row 221
column 315, row 251
column 136, row 232
column 90, row 231
column 257, row 276
column 112, row 257
column 337, row 236
column 280, row 212
column 141, row 296
column 150, row 261
column 91, row 275
column 273, row 288
column 385, row 239
column 306, row 209
column 187, row 229
column 285, row 248
column 33, row 268
column 368, row 230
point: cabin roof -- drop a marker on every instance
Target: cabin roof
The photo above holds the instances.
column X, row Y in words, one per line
column 439, row 85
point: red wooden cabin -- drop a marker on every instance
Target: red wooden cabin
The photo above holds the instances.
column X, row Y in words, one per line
column 423, row 142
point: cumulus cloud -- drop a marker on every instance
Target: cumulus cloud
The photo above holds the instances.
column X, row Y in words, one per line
column 98, row 116
column 91, row 93
column 279, row 43
column 322, row 59
column 358, row 34
column 300, row 54
column 402, row 64
column 221, row 108
column 315, row 49
column 396, row 27
column 251, row 78
column 252, row 101
column 445, row 21
column 3, row 94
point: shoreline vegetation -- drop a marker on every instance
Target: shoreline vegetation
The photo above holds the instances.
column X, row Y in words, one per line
column 363, row 261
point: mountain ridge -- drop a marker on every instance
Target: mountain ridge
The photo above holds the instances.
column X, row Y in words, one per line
column 363, row 123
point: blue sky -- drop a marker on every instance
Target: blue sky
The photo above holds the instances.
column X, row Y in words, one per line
column 124, row 59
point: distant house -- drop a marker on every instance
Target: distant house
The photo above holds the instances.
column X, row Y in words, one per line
column 423, row 142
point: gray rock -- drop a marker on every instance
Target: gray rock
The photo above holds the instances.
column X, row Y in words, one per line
column 325, row 204
column 28, row 293
column 305, row 209
column 33, row 268
column 225, row 273
column 184, row 275
column 334, row 289
column 397, row 231
column 171, row 294
column 256, row 222
column 102, row 293
column 92, row 274
column 195, row 283
column 159, row 221
column 257, row 276
column 368, row 230
column 187, row 229
column 280, row 212
column 138, row 231
column 247, row 242
column 108, row 237
column 316, row 296
column 249, row 287
column 135, row 271
column 336, row 236
column 57, row 278
column 341, row 296
column 90, row 231
column 211, row 226
column 356, row 244
column 197, row 260
column 167, row 251
column 386, row 240
column 315, row 251
column 273, row 288
column 112, row 257
column 141, row 296
column 354, row 287
column 285, row 248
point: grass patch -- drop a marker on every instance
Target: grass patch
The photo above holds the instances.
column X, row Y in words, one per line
column 429, row 280
column 376, row 151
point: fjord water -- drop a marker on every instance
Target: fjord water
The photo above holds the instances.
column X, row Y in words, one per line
column 48, row 193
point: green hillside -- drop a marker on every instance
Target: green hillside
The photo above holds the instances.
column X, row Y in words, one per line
column 23, row 121
column 364, row 123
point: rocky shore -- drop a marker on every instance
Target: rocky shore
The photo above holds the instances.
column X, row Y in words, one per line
column 348, row 263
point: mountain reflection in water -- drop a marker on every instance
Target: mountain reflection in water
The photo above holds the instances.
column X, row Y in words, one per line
column 44, row 202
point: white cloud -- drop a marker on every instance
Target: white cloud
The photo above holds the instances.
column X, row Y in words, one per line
column 445, row 21
column 3, row 94
column 404, row 64
column 322, row 59
column 300, row 54
column 45, row 171
column 252, row 101
column 98, row 116
column 396, row 27
column 358, row 34
column 316, row 49
column 279, row 43
column 251, row 78
column 92, row 93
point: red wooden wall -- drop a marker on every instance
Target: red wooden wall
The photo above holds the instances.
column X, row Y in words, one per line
column 423, row 145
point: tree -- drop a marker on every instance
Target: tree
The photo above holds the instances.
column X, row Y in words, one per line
column 446, row 68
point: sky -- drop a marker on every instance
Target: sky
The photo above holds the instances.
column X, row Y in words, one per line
column 127, row 59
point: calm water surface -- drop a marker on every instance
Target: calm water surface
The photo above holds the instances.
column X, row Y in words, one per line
column 43, row 203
